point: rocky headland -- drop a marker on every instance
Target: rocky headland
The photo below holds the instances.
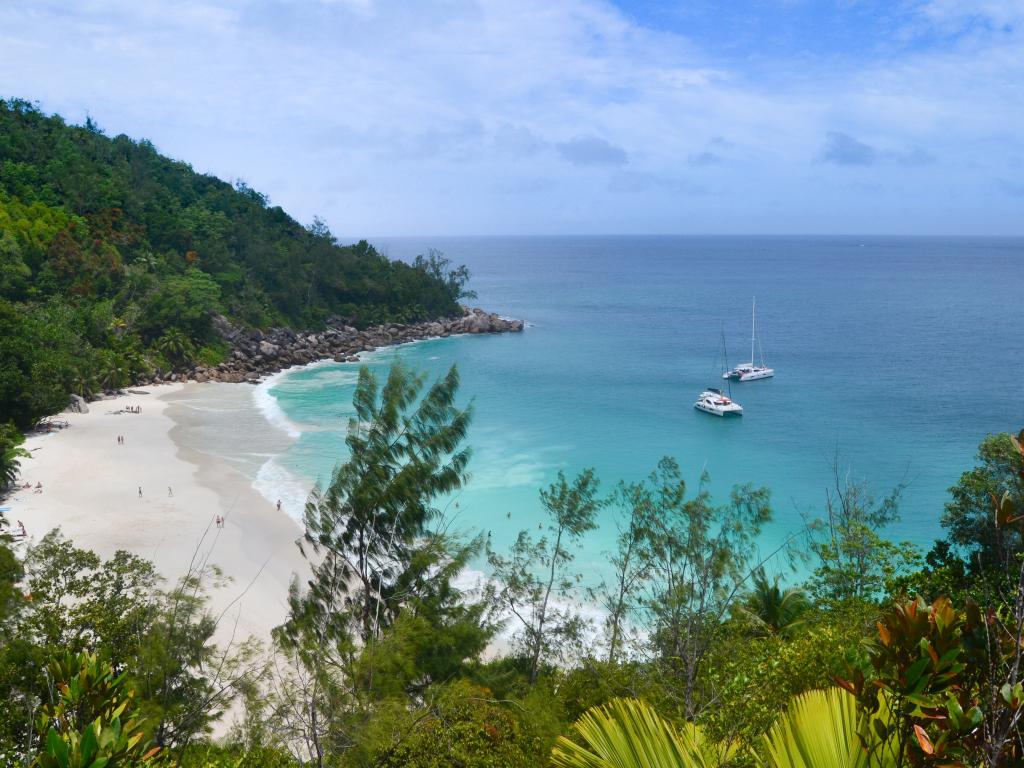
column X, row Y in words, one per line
column 255, row 353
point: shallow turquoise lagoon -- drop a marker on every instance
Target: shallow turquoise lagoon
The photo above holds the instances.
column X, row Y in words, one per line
column 900, row 354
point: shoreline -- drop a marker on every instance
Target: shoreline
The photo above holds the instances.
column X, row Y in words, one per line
column 91, row 492
column 255, row 353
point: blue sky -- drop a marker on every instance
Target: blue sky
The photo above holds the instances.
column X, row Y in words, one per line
column 560, row 116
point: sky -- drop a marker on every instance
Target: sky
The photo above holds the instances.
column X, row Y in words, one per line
column 449, row 117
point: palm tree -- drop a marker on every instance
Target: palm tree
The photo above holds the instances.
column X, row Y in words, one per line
column 175, row 345
column 773, row 610
column 11, row 454
column 628, row 733
column 111, row 371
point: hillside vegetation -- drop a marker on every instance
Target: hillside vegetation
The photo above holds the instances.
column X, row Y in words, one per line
column 113, row 259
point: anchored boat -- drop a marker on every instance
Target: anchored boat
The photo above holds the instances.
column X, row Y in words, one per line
column 713, row 400
column 716, row 402
column 751, row 371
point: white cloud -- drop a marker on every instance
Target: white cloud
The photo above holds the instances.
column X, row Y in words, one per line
column 460, row 115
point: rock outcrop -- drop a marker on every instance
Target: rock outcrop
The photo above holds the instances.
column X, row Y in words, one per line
column 77, row 404
column 255, row 353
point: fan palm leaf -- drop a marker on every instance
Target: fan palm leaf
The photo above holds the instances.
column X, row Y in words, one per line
column 628, row 733
column 820, row 730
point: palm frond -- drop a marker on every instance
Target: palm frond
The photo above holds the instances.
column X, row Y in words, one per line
column 820, row 730
column 628, row 733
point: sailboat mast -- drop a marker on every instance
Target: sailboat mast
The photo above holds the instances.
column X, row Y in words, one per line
column 753, row 333
column 725, row 364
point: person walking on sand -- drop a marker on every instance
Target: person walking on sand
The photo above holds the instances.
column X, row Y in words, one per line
column 278, row 505
column 140, row 491
column 169, row 491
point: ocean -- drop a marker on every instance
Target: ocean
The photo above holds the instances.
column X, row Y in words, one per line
column 894, row 356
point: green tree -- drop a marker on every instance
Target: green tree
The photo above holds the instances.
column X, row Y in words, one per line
column 968, row 514
column 28, row 388
column 534, row 582
column 183, row 302
column 115, row 608
column 454, row 279
column 367, row 529
column 854, row 560
column 11, row 454
column 462, row 724
column 700, row 556
column 176, row 346
column 380, row 619
column 750, row 678
column 773, row 610
column 621, row 599
column 15, row 274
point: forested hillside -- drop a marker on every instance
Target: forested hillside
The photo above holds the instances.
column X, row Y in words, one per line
column 113, row 259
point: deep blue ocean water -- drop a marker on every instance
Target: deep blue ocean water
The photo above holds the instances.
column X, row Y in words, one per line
column 896, row 354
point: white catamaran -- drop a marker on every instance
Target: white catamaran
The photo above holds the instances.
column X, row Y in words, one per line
column 715, row 401
column 751, row 371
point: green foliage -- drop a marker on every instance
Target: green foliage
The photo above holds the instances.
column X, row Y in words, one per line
column 75, row 602
column 464, row 725
column 700, row 557
column 212, row 354
column 183, row 303
column 11, row 454
column 968, row 513
column 94, row 722
column 750, row 679
column 628, row 733
column 772, row 610
column 440, row 269
column 88, row 222
column 372, row 528
column 30, row 381
column 208, row 755
column 175, row 345
column 855, row 561
column 823, row 729
column 11, row 599
column 919, row 664
column 535, row 577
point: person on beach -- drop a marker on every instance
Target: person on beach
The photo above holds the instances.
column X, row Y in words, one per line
column 169, row 491
column 278, row 505
column 140, row 491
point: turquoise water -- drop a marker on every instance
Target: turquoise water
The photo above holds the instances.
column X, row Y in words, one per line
column 899, row 353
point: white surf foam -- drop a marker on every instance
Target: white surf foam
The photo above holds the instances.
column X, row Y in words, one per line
column 267, row 405
column 274, row 482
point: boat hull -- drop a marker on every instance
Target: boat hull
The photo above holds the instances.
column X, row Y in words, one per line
column 752, row 375
column 716, row 411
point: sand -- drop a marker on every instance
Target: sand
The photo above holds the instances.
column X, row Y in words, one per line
column 91, row 492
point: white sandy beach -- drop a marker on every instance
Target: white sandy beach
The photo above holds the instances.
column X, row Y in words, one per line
column 91, row 491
